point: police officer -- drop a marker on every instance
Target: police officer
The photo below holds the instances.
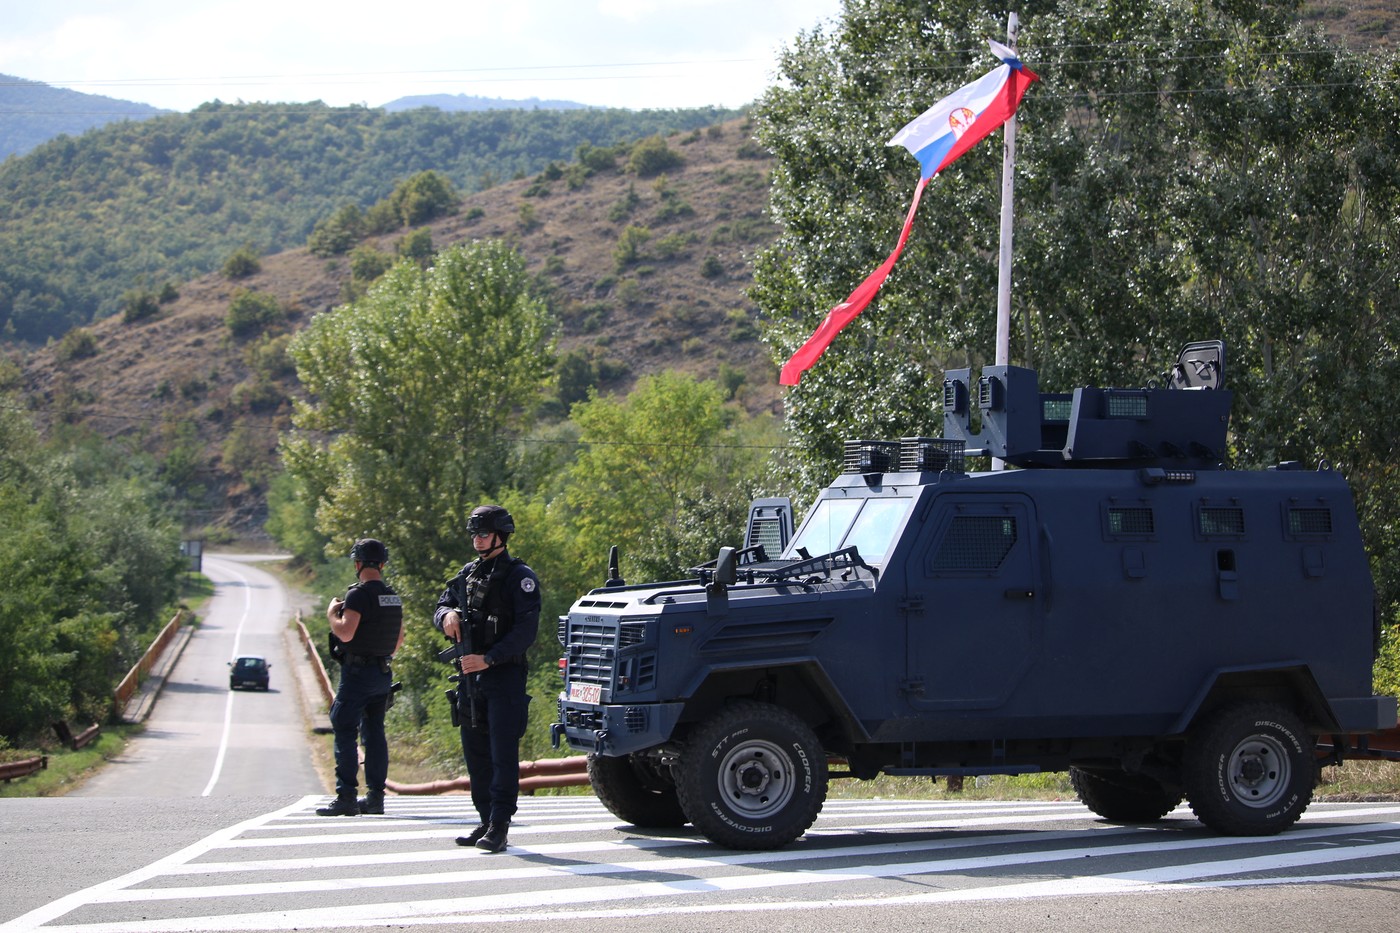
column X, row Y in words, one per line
column 366, row 630
column 493, row 607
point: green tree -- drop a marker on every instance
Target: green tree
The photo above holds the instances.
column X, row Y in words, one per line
column 417, row 391
column 1210, row 169
column 666, row 473
column 95, row 575
column 424, row 197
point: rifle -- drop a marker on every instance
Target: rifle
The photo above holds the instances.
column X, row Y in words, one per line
column 466, row 683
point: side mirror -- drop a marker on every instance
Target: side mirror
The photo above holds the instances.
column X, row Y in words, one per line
column 726, row 568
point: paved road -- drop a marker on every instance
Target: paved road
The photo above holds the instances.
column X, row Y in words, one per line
column 203, row 739
column 885, row 865
column 207, row 824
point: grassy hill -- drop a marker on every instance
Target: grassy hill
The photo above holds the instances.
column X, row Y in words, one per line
column 647, row 273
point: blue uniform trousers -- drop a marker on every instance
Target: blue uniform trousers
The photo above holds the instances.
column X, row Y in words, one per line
column 358, row 713
column 492, row 750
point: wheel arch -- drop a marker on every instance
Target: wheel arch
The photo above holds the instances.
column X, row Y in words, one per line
column 800, row 685
column 1292, row 685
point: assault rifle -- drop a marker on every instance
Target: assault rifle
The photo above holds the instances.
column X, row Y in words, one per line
column 464, row 694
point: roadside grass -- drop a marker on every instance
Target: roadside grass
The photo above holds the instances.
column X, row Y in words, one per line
column 68, row 769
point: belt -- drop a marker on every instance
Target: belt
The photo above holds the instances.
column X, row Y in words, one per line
column 366, row 659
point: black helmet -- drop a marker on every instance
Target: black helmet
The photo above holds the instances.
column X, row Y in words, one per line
column 490, row 519
column 369, row 551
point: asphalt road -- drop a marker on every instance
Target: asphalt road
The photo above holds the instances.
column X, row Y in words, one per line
column 203, row 739
column 881, row 865
column 207, row 824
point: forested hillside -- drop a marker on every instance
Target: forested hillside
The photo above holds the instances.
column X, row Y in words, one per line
column 642, row 250
column 135, row 205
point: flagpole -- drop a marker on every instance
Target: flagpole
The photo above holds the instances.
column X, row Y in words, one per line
column 1008, row 182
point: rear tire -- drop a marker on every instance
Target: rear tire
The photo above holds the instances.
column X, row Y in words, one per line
column 1250, row 769
column 633, row 791
column 1120, row 797
column 753, row 776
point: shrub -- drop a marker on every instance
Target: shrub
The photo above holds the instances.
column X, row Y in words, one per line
column 629, row 246
column 243, row 263
column 139, row 304
column 651, row 156
column 252, row 312
column 368, row 264
column 79, row 343
column 337, row 234
column 417, row 246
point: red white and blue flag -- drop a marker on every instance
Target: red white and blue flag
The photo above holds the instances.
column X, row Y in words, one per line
column 937, row 137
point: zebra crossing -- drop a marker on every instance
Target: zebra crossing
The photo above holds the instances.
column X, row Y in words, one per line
column 570, row 859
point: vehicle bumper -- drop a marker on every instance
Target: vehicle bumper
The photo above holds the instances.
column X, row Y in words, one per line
column 1364, row 714
column 615, row 729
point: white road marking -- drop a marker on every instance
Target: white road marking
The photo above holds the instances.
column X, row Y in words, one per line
column 512, row 889
column 228, row 704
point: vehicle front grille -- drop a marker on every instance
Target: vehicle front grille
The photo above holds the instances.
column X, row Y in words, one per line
column 590, row 649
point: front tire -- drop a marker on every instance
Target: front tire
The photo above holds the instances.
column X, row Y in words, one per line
column 753, row 776
column 1120, row 797
column 1250, row 769
column 632, row 791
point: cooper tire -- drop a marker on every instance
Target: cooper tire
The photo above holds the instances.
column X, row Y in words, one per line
column 1120, row 797
column 1250, row 769
column 633, row 792
column 753, row 776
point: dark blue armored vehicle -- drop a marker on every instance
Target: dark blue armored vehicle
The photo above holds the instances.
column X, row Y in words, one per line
column 1115, row 604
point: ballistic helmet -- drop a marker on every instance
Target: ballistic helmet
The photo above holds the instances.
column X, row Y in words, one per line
column 369, row 551
column 490, row 519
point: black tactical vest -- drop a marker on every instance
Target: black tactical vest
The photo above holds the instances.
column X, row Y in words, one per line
column 381, row 618
column 481, row 598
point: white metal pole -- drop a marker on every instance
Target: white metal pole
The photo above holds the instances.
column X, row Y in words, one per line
column 1008, row 182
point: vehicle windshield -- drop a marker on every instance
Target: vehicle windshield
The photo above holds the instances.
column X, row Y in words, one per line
column 250, row 663
column 866, row 524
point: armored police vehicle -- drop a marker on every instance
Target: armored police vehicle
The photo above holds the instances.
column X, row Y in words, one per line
column 1115, row 604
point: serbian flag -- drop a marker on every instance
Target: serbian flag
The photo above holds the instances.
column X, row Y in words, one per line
column 936, row 137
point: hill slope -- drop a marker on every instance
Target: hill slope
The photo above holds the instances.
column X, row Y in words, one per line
column 668, row 295
column 32, row 113
column 132, row 205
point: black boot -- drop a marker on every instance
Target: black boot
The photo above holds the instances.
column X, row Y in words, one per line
column 341, row 806
column 372, row 802
column 495, row 838
column 473, row 837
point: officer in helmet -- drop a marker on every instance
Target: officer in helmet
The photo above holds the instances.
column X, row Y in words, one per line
column 366, row 630
column 493, row 606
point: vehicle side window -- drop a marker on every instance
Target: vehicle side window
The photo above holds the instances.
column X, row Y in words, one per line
column 975, row 543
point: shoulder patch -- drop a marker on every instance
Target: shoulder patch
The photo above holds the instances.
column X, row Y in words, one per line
column 390, row 600
column 527, row 584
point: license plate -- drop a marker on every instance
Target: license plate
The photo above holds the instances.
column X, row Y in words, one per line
column 585, row 693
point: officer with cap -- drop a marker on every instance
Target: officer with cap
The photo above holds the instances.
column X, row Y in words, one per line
column 494, row 604
column 366, row 630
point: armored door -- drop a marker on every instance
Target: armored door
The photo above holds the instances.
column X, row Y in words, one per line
column 973, row 603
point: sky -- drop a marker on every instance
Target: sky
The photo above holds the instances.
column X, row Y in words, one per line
column 178, row 54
